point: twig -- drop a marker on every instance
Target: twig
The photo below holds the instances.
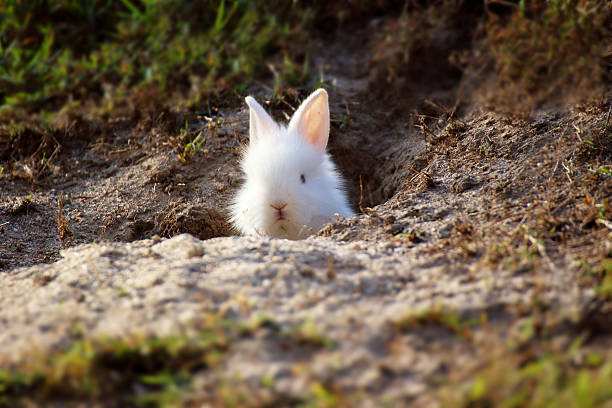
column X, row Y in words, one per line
column 55, row 152
column 360, row 194
column 541, row 250
column 428, row 135
column 568, row 199
column 288, row 104
column 552, row 173
column 578, row 132
column 229, row 124
column 418, row 172
column 567, row 172
column 601, row 221
column 63, row 229
column 445, row 110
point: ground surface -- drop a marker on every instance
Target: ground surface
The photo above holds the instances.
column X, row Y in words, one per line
column 475, row 239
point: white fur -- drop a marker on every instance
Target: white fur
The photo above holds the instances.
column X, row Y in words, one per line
column 273, row 163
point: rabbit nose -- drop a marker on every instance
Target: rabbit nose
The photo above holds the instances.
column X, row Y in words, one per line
column 279, row 206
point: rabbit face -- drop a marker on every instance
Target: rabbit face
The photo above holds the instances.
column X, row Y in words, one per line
column 285, row 177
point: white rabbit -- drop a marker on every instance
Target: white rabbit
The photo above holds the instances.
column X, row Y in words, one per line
column 292, row 187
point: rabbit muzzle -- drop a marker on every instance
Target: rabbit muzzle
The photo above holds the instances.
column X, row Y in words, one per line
column 279, row 207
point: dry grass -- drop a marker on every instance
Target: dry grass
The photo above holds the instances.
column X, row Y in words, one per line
column 543, row 52
column 63, row 226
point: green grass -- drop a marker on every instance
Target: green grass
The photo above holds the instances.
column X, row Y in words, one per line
column 92, row 369
column 605, row 288
column 549, row 381
column 67, row 51
column 440, row 316
column 193, row 146
column 307, row 334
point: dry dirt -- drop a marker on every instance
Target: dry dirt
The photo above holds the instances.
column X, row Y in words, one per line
column 478, row 211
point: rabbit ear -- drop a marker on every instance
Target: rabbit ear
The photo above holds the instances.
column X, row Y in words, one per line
column 260, row 122
column 311, row 120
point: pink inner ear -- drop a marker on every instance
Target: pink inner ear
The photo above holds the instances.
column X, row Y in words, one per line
column 316, row 128
column 312, row 120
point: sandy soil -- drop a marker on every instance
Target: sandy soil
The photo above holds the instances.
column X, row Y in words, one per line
column 453, row 207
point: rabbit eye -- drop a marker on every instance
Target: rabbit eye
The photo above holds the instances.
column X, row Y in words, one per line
column 302, row 178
